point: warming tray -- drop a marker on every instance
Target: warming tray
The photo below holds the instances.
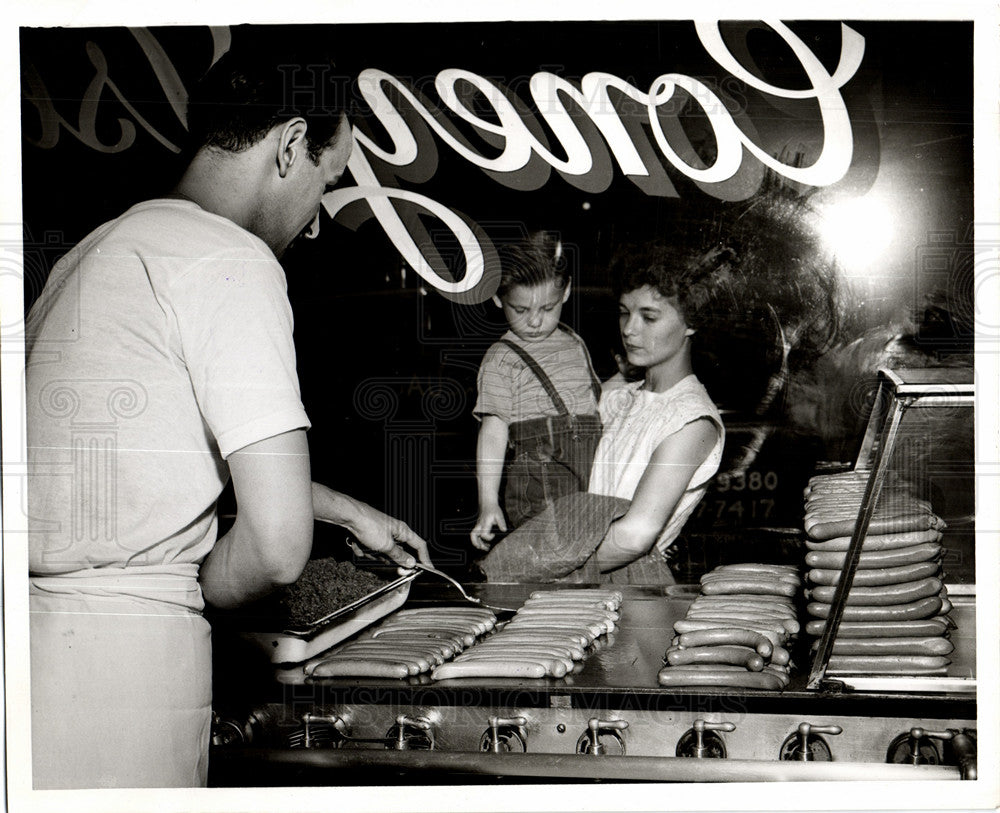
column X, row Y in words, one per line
column 295, row 646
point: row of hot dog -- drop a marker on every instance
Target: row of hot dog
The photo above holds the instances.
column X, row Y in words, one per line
column 738, row 631
column 895, row 619
column 547, row 637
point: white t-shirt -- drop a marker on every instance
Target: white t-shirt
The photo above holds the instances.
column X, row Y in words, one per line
column 636, row 421
column 160, row 345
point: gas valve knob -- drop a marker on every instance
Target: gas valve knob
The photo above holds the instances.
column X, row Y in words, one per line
column 505, row 735
column 227, row 732
column 806, row 744
column 915, row 747
column 411, row 733
column 701, row 742
column 319, row 731
column 590, row 740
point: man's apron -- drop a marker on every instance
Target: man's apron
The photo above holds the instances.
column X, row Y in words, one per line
column 121, row 674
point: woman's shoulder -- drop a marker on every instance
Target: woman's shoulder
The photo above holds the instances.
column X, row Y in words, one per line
column 690, row 395
column 617, row 393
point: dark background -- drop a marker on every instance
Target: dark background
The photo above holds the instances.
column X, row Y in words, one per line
column 388, row 366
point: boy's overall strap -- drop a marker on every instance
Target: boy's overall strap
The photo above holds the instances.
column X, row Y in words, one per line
column 540, row 375
column 595, row 382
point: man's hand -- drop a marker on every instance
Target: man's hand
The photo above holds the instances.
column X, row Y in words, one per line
column 373, row 529
column 384, row 534
column 490, row 517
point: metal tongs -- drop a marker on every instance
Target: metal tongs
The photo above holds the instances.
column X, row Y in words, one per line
column 458, row 586
column 365, row 552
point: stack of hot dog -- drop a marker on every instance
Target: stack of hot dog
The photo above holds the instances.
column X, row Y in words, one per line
column 737, row 632
column 895, row 618
column 546, row 637
column 407, row 643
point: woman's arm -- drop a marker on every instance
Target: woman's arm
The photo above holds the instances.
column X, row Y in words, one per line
column 660, row 488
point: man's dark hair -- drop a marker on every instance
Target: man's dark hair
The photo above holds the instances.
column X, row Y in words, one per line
column 533, row 261
column 247, row 93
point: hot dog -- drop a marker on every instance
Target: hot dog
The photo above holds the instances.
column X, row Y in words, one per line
column 877, row 525
column 724, row 636
column 777, row 587
column 922, row 608
column 771, row 576
column 467, row 638
column 780, row 656
column 350, row 667
column 512, row 650
column 876, row 542
column 598, row 592
column 888, row 558
column 588, row 631
column 735, row 655
column 765, row 601
column 447, row 647
column 879, row 576
column 676, row 677
column 554, row 667
column 887, row 594
column 755, row 567
column 570, row 599
column 489, row 669
column 934, row 645
column 784, row 610
column 790, row 625
column 685, row 625
column 889, row 664
column 603, row 620
column 560, row 645
column 882, row 629
column 567, row 636
column 422, row 661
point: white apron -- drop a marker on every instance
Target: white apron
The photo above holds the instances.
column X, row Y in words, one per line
column 121, row 674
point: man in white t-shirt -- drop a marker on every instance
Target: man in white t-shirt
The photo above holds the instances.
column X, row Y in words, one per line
column 160, row 364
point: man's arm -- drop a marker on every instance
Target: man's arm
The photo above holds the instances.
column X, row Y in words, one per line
column 660, row 488
column 373, row 529
column 271, row 539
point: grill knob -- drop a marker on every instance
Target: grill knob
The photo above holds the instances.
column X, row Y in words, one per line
column 411, row 734
column 915, row 747
column 318, row 731
column 505, row 734
column 701, row 742
column 590, row 740
column 806, row 744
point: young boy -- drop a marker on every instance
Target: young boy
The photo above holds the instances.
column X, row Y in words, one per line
column 537, row 394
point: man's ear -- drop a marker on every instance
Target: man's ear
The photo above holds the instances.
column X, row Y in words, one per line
column 496, row 301
column 569, row 284
column 689, row 331
column 291, row 145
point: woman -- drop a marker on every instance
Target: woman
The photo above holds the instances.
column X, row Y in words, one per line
column 663, row 436
column 661, row 445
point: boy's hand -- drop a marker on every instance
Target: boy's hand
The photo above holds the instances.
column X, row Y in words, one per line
column 489, row 517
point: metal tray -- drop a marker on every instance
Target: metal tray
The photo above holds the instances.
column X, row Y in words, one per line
column 297, row 645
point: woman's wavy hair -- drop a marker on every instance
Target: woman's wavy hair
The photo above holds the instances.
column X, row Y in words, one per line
column 696, row 280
